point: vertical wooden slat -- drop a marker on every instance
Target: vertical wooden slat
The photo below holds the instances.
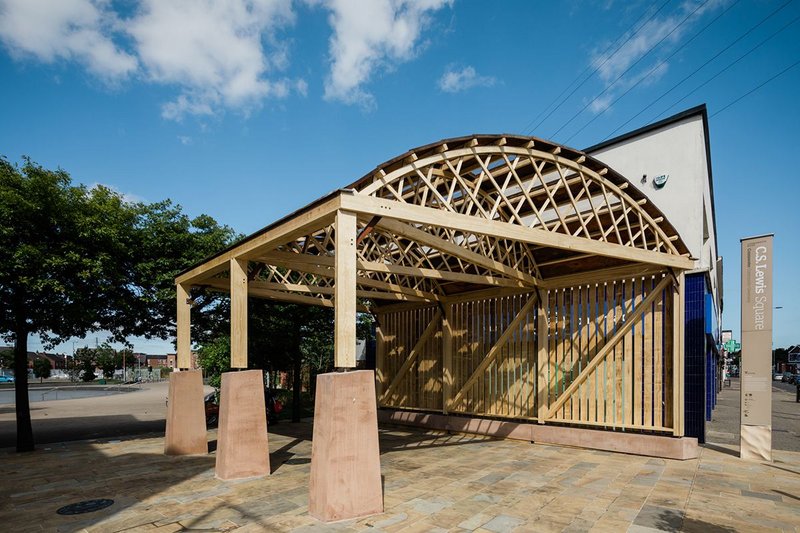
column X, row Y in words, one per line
column 658, row 362
column 619, row 363
column 678, row 351
column 380, row 356
column 542, row 359
column 647, row 353
column 447, row 356
column 238, row 280
column 183, row 327
column 636, row 345
column 591, row 352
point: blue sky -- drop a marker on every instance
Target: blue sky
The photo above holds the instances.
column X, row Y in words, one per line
column 249, row 111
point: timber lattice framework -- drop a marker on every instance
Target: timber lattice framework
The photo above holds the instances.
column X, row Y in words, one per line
column 510, row 276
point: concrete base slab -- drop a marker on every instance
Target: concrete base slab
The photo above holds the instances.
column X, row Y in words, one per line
column 345, row 462
column 186, row 417
column 634, row 443
column 242, row 442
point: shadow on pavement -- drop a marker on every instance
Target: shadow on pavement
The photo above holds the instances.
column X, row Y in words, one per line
column 46, row 431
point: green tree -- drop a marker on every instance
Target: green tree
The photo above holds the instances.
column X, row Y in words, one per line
column 124, row 359
column 41, row 368
column 214, row 357
column 105, row 359
column 86, row 361
column 75, row 260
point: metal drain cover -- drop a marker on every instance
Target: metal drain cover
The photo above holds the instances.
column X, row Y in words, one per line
column 89, row 506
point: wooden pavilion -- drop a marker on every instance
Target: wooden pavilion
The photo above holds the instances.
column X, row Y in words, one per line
column 511, row 278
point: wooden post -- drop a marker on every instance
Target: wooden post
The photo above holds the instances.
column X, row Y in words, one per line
column 380, row 357
column 678, row 311
column 542, row 384
column 183, row 327
column 344, row 354
column 447, row 357
column 238, row 313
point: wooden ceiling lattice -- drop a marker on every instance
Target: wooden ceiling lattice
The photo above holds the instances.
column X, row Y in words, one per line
column 461, row 215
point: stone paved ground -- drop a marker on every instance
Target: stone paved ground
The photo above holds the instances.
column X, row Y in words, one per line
column 432, row 481
column 724, row 425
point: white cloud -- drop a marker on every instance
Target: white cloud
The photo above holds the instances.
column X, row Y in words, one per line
column 214, row 51
column 126, row 196
column 185, row 140
column 453, row 81
column 368, row 36
column 78, row 30
column 669, row 28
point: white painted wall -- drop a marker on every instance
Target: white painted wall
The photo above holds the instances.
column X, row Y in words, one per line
column 679, row 150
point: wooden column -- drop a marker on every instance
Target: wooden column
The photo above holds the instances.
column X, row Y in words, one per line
column 542, row 384
column 344, row 354
column 447, row 357
column 678, row 304
column 380, row 357
column 238, row 313
column 183, row 327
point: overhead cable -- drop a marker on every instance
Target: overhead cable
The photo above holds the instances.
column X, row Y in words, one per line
column 698, row 69
column 528, row 129
column 651, row 71
column 681, row 23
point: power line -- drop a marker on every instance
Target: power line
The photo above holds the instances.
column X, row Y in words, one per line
column 652, row 70
column 754, row 89
column 527, row 128
column 629, row 68
column 698, row 69
column 715, row 76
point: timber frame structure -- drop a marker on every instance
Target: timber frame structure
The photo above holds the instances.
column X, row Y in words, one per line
column 510, row 277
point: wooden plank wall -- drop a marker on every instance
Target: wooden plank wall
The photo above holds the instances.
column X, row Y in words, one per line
column 630, row 387
column 421, row 385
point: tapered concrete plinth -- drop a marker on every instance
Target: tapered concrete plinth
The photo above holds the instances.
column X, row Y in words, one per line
column 242, row 445
column 186, row 417
column 345, row 462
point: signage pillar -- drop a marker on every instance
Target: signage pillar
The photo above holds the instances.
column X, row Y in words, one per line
column 756, row 371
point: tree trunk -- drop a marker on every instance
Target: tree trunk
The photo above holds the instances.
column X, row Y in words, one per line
column 24, row 429
column 297, row 383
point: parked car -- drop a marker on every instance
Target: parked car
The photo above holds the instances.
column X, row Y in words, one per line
column 787, row 377
column 6, row 379
column 777, row 376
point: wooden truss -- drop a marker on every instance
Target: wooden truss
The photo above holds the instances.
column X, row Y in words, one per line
column 444, row 222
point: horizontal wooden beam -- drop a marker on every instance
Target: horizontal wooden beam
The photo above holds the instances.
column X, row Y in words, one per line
column 327, row 272
column 423, row 237
column 600, row 276
column 315, row 289
column 288, row 297
column 292, row 228
column 298, row 261
column 390, row 209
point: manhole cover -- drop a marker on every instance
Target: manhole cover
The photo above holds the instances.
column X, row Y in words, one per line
column 298, row 461
column 89, row 506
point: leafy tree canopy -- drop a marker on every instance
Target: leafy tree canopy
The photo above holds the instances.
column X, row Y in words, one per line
column 75, row 259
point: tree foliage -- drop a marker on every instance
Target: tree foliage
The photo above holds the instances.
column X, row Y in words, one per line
column 75, row 259
column 42, row 367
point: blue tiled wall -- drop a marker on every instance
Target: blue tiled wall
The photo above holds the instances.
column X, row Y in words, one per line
column 695, row 358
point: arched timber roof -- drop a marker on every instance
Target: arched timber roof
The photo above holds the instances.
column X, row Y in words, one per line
column 459, row 215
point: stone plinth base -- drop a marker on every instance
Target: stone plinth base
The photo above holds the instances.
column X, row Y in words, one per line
column 615, row 441
column 186, row 417
column 242, row 445
column 345, row 462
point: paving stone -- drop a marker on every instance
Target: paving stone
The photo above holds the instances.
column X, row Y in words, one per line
column 503, row 523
